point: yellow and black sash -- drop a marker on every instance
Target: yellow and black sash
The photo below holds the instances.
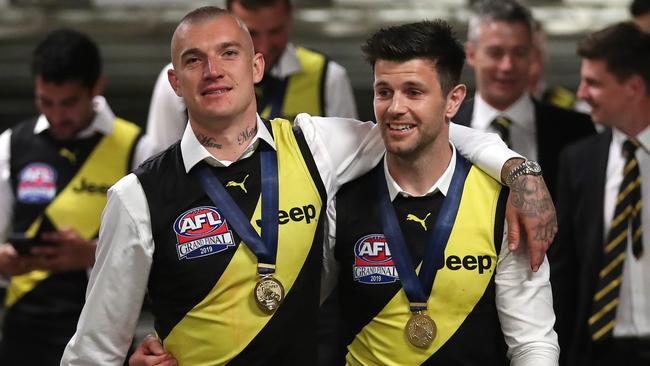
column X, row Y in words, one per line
column 225, row 322
column 455, row 293
column 78, row 208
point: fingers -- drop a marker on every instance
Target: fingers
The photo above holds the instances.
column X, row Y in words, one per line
column 152, row 346
column 513, row 230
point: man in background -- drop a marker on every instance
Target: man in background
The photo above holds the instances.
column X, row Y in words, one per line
column 296, row 80
column 601, row 262
column 54, row 173
column 501, row 53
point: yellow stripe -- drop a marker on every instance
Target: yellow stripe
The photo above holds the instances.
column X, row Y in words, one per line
column 454, row 295
column 597, row 335
column 628, row 189
column 503, row 122
column 630, row 165
column 304, row 88
column 616, row 261
column 606, row 309
column 622, row 216
column 637, row 234
column 614, row 243
column 224, row 323
column 599, row 295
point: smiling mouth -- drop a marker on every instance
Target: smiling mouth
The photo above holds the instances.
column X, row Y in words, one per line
column 399, row 126
column 217, row 91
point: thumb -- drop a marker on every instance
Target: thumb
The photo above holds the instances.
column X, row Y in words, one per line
column 514, row 234
column 152, row 345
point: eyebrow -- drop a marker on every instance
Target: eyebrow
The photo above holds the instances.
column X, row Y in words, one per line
column 220, row 46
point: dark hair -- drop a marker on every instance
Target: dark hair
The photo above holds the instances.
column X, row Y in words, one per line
column 624, row 47
column 433, row 40
column 510, row 11
column 67, row 55
column 203, row 13
column 639, row 7
column 256, row 4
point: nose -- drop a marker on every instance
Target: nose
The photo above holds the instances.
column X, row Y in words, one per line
column 582, row 91
column 397, row 106
column 506, row 62
column 212, row 69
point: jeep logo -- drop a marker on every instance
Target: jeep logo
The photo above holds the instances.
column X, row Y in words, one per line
column 469, row 262
column 90, row 187
column 297, row 214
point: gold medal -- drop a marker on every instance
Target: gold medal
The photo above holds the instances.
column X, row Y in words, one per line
column 269, row 294
column 420, row 330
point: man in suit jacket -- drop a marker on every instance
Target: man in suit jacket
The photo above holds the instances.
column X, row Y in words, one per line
column 591, row 264
column 500, row 50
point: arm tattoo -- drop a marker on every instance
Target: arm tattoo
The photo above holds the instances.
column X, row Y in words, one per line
column 207, row 141
column 531, row 197
column 246, row 134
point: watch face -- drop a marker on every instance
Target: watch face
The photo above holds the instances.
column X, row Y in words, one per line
column 534, row 166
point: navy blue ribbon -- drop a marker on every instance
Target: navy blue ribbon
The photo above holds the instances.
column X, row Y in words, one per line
column 418, row 287
column 273, row 92
column 266, row 247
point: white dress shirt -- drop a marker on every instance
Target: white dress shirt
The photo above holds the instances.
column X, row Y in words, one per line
column 633, row 311
column 167, row 117
column 102, row 123
column 523, row 298
column 343, row 149
column 523, row 133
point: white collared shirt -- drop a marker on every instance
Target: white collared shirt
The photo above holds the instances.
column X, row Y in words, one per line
column 167, row 117
column 101, row 123
column 524, row 298
column 343, row 149
column 633, row 311
column 523, row 133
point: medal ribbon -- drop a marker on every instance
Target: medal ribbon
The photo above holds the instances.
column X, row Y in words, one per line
column 265, row 248
column 418, row 287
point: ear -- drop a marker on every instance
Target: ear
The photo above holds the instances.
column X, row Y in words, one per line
column 98, row 89
column 635, row 86
column 258, row 67
column 470, row 53
column 454, row 100
column 173, row 81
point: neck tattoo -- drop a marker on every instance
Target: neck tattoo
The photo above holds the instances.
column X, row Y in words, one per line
column 246, row 134
column 208, row 141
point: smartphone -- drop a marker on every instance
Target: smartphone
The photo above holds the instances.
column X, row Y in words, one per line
column 23, row 244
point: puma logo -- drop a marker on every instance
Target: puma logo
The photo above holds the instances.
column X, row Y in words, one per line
column 72, row 158
column 237, row 184
column 423, row 222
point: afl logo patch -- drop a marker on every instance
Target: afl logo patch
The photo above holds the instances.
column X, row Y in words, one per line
column 373, row 262
column 201, row 231
column 36, row 184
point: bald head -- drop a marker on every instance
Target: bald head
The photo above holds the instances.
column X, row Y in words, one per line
column 203, row 15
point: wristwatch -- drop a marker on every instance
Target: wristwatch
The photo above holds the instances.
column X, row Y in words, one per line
column 528, row 167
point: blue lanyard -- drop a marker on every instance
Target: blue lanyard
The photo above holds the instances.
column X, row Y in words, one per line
column 418, row 287
column 265, row 248
column 273, row 94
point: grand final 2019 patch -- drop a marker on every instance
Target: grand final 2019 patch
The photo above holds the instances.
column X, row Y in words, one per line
column 373, row 263
column 201, row 231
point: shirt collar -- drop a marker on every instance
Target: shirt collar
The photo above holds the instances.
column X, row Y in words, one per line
column 288, row 63
column 643, row 138
column 193, row 152
column 441, row 185
column 102, row 122
column 521, row 113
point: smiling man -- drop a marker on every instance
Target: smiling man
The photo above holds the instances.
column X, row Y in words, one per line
column 425, row 209
column 500, row 51
column 600, row 262
column 54, row 173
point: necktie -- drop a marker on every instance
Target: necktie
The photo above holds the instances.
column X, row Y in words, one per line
column 502, row 126
column 627, row 220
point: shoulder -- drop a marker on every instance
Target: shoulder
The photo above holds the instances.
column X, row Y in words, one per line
column 586, row 148
column 562, row 114
column 164, row 160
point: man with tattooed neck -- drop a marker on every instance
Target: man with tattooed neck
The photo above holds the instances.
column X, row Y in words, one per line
column 224, row 229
